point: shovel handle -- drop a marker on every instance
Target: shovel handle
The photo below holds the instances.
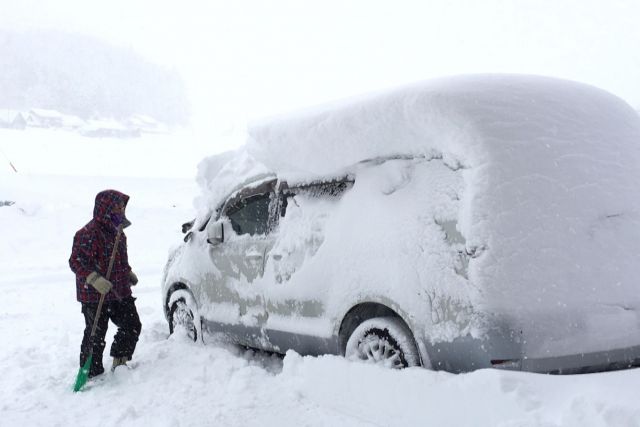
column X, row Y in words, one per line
column 111, row 262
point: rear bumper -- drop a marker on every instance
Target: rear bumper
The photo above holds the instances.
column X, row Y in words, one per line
column 609, row 360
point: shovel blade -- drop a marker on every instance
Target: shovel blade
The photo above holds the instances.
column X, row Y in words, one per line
column 83, row 374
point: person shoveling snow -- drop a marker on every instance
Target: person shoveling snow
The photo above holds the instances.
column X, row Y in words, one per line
column 103, row 275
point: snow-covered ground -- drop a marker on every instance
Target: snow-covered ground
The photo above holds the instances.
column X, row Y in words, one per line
column 178, row 383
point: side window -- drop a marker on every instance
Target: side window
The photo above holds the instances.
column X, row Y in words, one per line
column 330, row 189
column 250, row 215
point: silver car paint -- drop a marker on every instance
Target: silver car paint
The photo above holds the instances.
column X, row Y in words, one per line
column 236, row 264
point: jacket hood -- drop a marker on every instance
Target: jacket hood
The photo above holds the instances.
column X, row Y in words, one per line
column 105, row 202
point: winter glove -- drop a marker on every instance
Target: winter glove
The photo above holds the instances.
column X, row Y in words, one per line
column 133, row 279
column 102, row 285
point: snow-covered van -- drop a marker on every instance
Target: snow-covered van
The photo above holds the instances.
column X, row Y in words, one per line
column 462, row 223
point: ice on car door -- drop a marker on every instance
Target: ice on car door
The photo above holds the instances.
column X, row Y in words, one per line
column 249, row 219
column 240, row 259
column 295, row 308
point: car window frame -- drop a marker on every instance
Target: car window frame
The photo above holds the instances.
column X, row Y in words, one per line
column 251, row 190
column 285, row 190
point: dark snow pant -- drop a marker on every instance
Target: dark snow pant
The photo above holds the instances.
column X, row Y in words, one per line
column 125, row 316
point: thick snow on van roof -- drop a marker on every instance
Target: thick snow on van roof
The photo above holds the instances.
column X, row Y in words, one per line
column 551, row 173
column 474, row 117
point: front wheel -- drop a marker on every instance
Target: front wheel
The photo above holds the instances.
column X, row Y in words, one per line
column 384, row 341
column 183, row 316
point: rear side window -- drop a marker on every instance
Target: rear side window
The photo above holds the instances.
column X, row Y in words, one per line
column 250, row 215
column 328, row 189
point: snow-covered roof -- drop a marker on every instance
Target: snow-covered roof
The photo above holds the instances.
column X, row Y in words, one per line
column 473, row 117
column 143, row 119
column 53, row 116
column 42, row 112
column 94, row 124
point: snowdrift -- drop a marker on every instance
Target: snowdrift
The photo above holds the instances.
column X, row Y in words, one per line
column 177, row 382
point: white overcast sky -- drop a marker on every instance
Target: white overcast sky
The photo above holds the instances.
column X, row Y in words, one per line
column 245, row 59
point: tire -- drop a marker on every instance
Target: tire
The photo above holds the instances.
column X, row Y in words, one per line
column 383, row 341
column 183, row 316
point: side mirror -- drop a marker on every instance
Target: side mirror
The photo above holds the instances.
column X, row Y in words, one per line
column 186, row 229
column 187, row 226
column 215, row 232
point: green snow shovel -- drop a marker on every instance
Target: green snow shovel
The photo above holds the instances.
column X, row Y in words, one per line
column 83, row 373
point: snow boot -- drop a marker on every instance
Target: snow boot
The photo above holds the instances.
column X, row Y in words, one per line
column 119, row 361
column 96, row 371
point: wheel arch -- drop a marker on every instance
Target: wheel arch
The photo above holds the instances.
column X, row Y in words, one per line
column 369, row 310
column 170, row 290
column 183, row 292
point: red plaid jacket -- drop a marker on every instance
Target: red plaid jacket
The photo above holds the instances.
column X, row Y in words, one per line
column 92, row 246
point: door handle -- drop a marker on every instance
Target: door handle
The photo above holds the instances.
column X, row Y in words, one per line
column 277, row 257
column 253, row 257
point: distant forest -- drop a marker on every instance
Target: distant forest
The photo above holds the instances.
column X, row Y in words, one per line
column 84, row 76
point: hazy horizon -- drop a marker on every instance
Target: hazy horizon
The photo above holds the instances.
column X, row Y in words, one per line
column 247, row 60
column 85, row 76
